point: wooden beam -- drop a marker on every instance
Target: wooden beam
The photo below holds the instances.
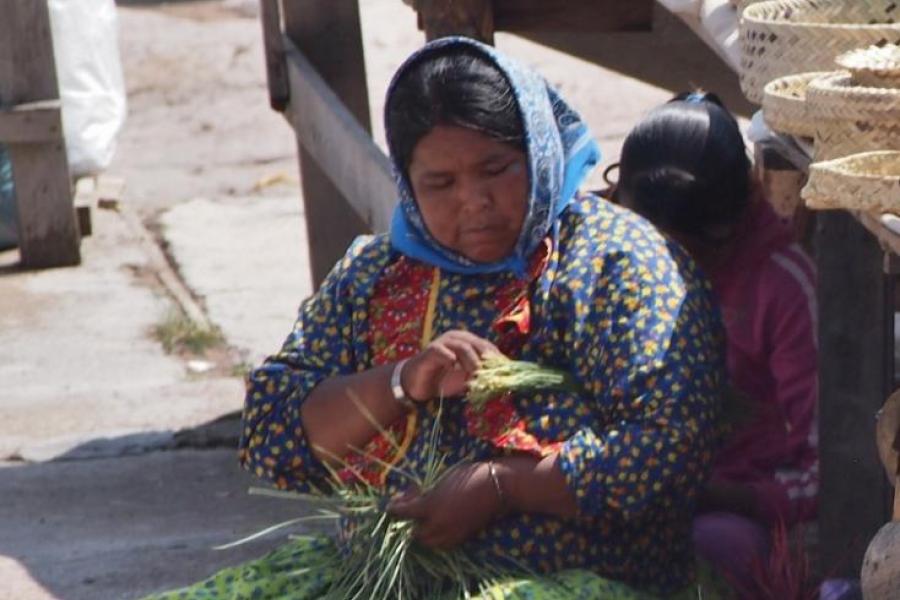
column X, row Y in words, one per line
column 471, row 18
column 782, row 183
column 339, row 145
column 328, row 34
column 673, row 57
column 855, row 376
column 591, row 16
column 30, row 123
column 48, row 229
column 276, row 70
column 27, row 73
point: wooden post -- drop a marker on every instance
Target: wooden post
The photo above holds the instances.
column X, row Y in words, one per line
column 342, row 149
column 48, row 230
column 782, row 183
column 328, row 33
column 855, row 375
column 471, row 18
column 270, row 15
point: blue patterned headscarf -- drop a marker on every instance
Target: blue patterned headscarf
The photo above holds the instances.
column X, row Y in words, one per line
column 561, row 152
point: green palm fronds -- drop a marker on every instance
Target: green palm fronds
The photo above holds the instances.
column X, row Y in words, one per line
column 499, row 374
column 378, row 556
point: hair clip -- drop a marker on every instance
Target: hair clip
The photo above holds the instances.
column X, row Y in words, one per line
column 696, row 97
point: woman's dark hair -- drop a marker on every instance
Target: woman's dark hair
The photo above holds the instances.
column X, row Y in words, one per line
column 685, row 167
column 454, row 87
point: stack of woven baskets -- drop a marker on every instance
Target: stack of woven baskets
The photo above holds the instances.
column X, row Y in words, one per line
column 785, row 37
column 791, row 48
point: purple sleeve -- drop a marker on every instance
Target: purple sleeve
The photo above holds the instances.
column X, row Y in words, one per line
column 793, row 364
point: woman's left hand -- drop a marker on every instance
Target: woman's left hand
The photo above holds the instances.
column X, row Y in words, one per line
column 463, row 503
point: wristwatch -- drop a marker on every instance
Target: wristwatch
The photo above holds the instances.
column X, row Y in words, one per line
column 397, row 387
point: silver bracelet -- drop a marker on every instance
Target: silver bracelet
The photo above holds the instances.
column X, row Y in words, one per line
column 397, row 387
column 492, row 471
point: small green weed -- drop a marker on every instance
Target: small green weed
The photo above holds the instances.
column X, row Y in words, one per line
column 177, row 333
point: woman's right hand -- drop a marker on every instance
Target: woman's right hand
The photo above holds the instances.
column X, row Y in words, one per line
column 445, row 366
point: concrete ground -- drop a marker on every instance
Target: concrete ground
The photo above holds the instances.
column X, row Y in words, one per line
column 117, row 470
column 101, row 497
column 123, row 527
column 77, row 359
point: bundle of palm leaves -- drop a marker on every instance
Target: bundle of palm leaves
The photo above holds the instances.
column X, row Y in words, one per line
column 498, row 374
column 378, row 555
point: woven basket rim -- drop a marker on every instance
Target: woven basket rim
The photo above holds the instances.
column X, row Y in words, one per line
column 838, row 92
column 774, row 87
column 843, row 80
column 864, row 60
column 833, row 185
column 750, row 15
column 843, row 166
column 823, row 26
column 786, row 112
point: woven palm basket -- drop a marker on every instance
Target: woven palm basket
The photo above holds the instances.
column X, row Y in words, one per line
column 742, row 4
column 784, row 104
column 868, row 182
column 786, row 37
column 873, row 66
column 850, row 119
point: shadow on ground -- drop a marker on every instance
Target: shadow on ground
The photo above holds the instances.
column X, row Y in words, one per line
column 121, row 527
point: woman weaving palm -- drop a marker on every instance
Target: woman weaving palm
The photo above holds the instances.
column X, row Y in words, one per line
column 491, row 250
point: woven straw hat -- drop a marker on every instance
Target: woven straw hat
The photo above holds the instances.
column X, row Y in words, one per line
column 786, row 37
column 868, row 182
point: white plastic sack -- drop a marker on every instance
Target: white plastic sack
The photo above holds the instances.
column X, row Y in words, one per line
column 720, row 19
column 715, row 21
column 91, row 87
column 683, row 8
column 794, row 149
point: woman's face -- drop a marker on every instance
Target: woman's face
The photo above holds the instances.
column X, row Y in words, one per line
column 472, row 191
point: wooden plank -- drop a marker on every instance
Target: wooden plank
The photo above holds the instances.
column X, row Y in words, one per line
column 591, row 16
column 30, row 123
column 328, row 33
column 48, row 230
column 340, row 146
column 855, row 330
column 446, row 17
column 27, row 71
column 471, row 18
column 672, row 58
column 276, row 70
column 782, row 183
